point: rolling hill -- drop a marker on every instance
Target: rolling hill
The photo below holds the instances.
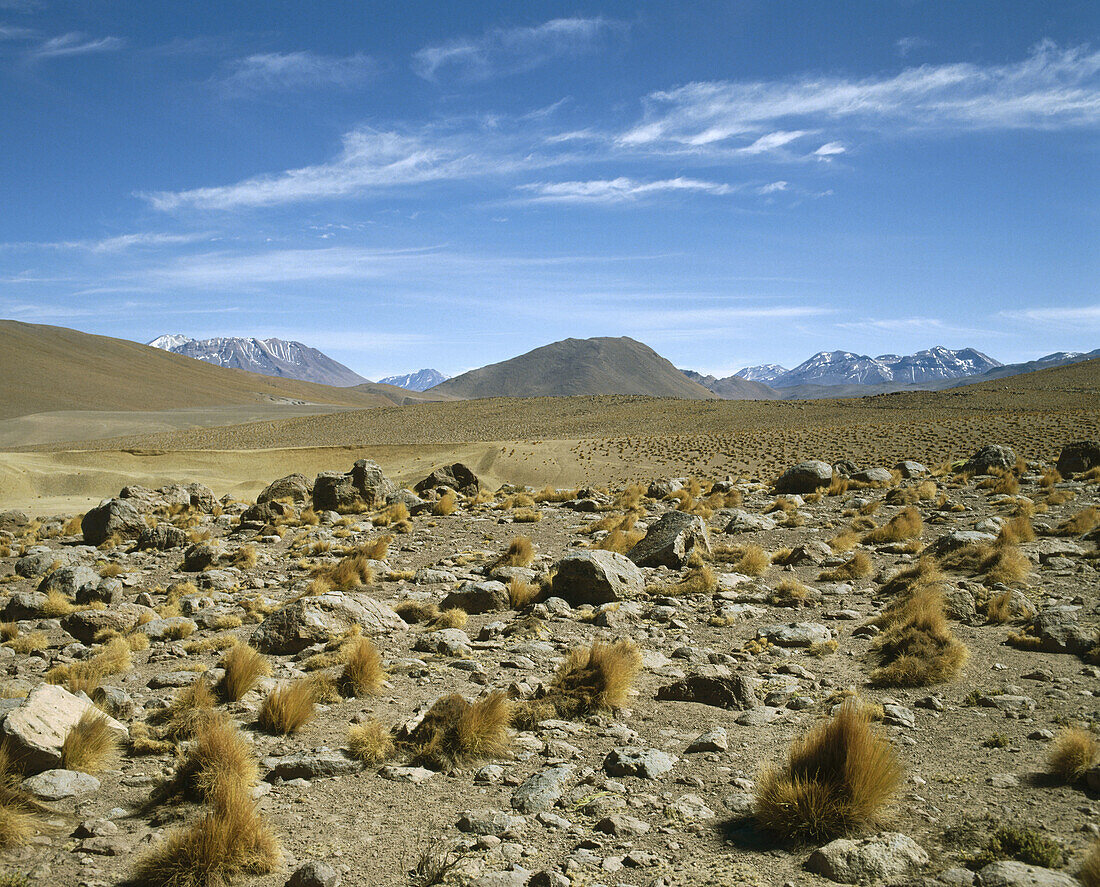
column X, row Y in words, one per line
column 578, row 367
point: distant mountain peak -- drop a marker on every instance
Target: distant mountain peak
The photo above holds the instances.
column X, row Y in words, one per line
column 421, row 380
column 269, row 357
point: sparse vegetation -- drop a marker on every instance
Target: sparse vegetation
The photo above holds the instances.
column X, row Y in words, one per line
column 288, row 708
column 916, row 647
column 858, row 566
column 90, row 745
column 1071, row 754
column 370, row 742
column 906, row 524
column 243, row 667
column 1022, row 844
column 363, row 674
column 455, row 731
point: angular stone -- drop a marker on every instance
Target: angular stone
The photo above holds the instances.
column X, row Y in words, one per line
column 597, row 577
column 491, row 822
column 714, row 685
column 670, row 540
column 314, row 874
column 712, row 740
column 295, row 487
column 69, row 580
column 173, row 627
column 84, row 625
column 539, row 791
column 310, row 765
column 887, row 856
column 957, row 539
column 445, row 642
column 805, row 477
column 313, row 620
column 622, row 825
column 1079, row 456
column 114, row 516
column 992, row 456
column 1009, row 873
column 908, row 468
column 457, row 477
column 415, row 775
column 23, row 605
column 745, row 522
column 37, row 729
column 479, row 597
column 876, row 475
column 53, row 785
column 646, row 763
column 162, row 537
column 796, row 634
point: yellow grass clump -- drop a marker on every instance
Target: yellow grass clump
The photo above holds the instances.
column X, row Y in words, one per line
column 595, row 678
column 288, row 708
column 190, row 709
column 245, row 557
column 243, row 667
column 836, row 780
column 858, row 566
column 445, row 504
column 520, row 553
column 112, row 658
column 1089, row 873
column 415, row 612
column 455, row 731
column 906, row 524
column 452, row 617
column 1071, row 754
column 700, row 580
column 90, row 745
column 521, row 594
column 220, row 758
column 370, row 742
column 363, row 674
column 19, row 813
column 916, row 647
column 1084, row 521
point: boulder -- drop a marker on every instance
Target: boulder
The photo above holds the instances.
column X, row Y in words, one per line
column 795, row 634
column 314, row 620
column 1081, row 455
column 1059, row 631
column 38, row 727
column 458, row 477
column 374, row 488
column 84, row 625
column 13, row 519
column 1010, row 873
column 957, row 539
column 53, row 785
column 69, row 580
column 114, row 516
column 333, row 491
column 805, row 477
column 670, row 540
column 314, row 873
column 107, row 590
column 888, row 856
column 845, row 468
column 23, row 605
column 539, row 791
column 745, row 522
column 479, row 597
column 909, row 468
column 990, row 457
column 295, row 487
column 266, row 512
column 39, row 561
column 200, row 556
column 646, row 763
column 201, row 497
column 597, row 577
column 876, row 475
column 661, row 489
column 714, row 685
column 162, row 537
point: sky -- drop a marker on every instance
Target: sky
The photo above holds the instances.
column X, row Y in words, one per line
column 430, row 184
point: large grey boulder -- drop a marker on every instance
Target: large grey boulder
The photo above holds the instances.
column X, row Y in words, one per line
column 23, row 605
column 646, row 763
column 990, row 457
column 597, row 577
column 539, row 791
column 887, row 856
column 742, row 521
column 333, row 491
column 1009, row 873
column 670, row 540
column 162, row 537
column 875, row 475
column 69, row 580
column 1081, row 455
column 201, row 497
column 13, row 519
column 373, row 486
column 84, row 625
column 796, row 634
column 37, row 729
column 805, row 477
column 39, row 561
column 53, row 785
column 457, row 476
column 715, row 685
column 295, row 487
column 478, row 597
column 114, row 516
column 909, row 468
column 314, row 620
column 957, row 539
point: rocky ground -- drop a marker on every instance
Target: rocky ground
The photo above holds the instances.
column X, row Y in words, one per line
column 739, row 655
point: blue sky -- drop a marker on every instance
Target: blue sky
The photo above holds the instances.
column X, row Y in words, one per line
column 451, row 184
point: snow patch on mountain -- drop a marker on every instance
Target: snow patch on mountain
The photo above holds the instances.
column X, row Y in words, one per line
column 421, row 380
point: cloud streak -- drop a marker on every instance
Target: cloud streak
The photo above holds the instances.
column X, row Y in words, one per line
column 619, row 190
column 503, row 51
column 75, row 43
column 288, row 71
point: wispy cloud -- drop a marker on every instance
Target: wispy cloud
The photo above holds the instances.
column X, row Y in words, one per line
column 12, row 32
column 1052, row 88
column 504, row 51
column 75, row 43
column 906, row 45
column 117, row 243
column 280, row 71
column 619, row 190
column 1079, row 316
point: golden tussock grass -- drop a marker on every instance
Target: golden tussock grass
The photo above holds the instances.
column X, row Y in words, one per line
column 916, row 647
column 595, row 678
column 550, row 494
column 620, row 541
column 370, row 742
column 190, row 709
column 998, row 610
column 309, row 518
column 8, row 630
column 19, row 813
column 349, row 572
column 415, row 612
column 229, row 840
column 1089, row 873
column 522, row 594
column 1071, row 754
column 1015, row 530
column 374, row 549
column 317, row 586
column 838, row 486
column 906, row 524
column 452, row 617
column 836, row 780
column 29, row 643
column 858, row 566
column 1049, row 478
column 700, row 580
column 1003, row 563
column 1060, row 497
column 925, row 573
column 110, row 571
column 220, row 758
column 216, row 643
column 1084, row 521
column 782, row 504
column 445, row 504
column 363, row 674
column 56, row 605
column 243, row 667
column 455, row 731
column 789, row 592
column 526, row 516
column 288, row 708
column 90, row 745
column 845, row 540
column 85, row 675
column 520, row 553
column 245, row 557
column 754, row 561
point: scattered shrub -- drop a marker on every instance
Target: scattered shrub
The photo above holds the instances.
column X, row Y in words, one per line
column 595, row 678
column 700, row 580
column 190, row 709
column 1022, row 844
column 19, row 814
column 219, row 759
column 363, row 673
column 245, row 558
column 370, row 742
column 452, row 617
column 445, row 504
column 90, row 745
column 414, row 611
column 520, row 553
column 858, row 566
column 835, row 781
column 288, row 708
column 916, row 647
column 1089, row 873
column 243, row 667
column 521, row 594
column 1084, row 521
column 906, row 524
column 455, row 731
column 1071, row 754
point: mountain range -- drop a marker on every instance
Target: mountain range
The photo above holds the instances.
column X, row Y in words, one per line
column 421, row 380
column 268, row 357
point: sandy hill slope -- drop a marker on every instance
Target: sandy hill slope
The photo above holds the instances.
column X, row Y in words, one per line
column 48, row 368
column 579, row 367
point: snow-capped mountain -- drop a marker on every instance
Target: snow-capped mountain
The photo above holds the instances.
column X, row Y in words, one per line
column 269, row 357
column 421, row 380
column 845, row 368
column 766, row 373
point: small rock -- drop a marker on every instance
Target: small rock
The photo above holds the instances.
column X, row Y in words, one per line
column 314, row 874
column 883, row 857
column 53, row 785
column 647, row 763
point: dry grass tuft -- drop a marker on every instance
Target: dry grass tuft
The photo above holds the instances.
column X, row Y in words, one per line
column 522, row 594
column 845, row 540
column 246, row 557
column 596, row 678
column 924, row 574
column 700, row 580
column 288, row 708
column 526, row 516
column 219, row 759
column 1016, row 530
column 452, row 617
column 1084, row 521
column 754, row 561
column 858, row 566
column 906, row 524
column 1089, row 873
column 916, row 647
column 1071, row 754
column 835, row 782
column 415, row 612
column 350, row 572
column 1003, row 563
column 28, row 643
column 455, row 731
column 190, row 710
column 396, row 513
column 19, row 814
column 85, row 675
column 375, row 549
column 370, row 742
column 243, row 667
column 789, row 592
column 445, row 504
column 229, row 840
column 363, row 674
column 90, row 745
column 1049, row 478
column 520, row 553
